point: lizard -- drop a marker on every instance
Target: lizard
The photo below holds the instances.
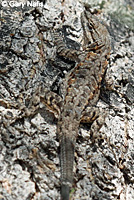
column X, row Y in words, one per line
column 82, row 86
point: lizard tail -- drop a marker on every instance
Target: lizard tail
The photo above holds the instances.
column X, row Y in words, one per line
column 65, row 192
column 66, row 161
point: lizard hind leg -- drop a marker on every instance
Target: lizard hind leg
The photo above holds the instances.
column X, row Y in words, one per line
column 96, row 116
column 53, row 101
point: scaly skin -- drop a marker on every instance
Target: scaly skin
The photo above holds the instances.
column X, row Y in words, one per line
column 82, row 89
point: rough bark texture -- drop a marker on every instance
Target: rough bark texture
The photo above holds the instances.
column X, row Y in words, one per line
column 29, row 162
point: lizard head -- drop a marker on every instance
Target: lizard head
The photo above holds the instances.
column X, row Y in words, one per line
column 95, row 34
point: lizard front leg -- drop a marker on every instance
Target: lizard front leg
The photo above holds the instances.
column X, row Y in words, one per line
column 62, row 50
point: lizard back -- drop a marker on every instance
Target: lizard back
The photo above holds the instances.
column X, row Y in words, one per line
column 82, row 89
